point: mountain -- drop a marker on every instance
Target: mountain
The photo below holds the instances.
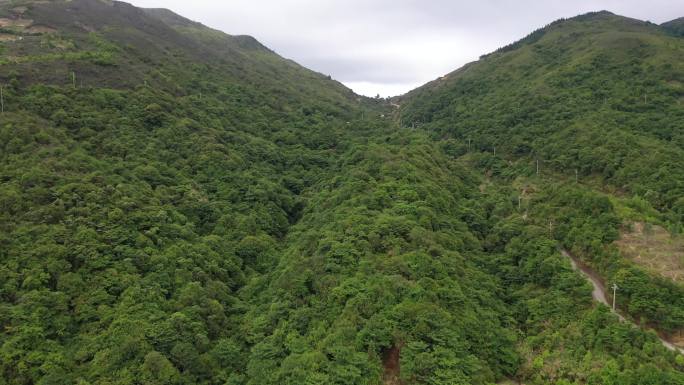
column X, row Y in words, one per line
column 181, row 206
column 113, row 44
column 599, row 93
column 582, row 119
column 675, row 26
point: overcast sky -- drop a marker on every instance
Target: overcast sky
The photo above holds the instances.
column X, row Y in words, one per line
column 389, row 47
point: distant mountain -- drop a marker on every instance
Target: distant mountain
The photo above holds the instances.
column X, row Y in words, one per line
column 675, row 26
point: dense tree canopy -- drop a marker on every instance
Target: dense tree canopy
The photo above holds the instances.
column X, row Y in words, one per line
column 180, row 206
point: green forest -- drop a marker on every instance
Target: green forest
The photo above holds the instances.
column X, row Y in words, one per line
column 182, row 206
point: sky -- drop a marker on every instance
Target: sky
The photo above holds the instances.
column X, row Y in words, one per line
column 389, row 47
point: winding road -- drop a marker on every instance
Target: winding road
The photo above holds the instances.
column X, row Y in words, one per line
column 599, row 294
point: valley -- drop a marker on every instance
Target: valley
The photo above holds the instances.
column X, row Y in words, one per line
column 183, row 206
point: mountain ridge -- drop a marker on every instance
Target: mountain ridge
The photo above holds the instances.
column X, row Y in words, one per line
column 594, row 16
column 125, row 59
column 675, row 26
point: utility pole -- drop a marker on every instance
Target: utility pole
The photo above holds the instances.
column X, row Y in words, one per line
column 537, row 167
column 519, row 202
column 615, row 287
column 2, row 101
column 576, row 176
column 494, row 150
column 73, row 79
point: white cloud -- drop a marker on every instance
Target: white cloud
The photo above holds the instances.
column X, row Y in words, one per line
column 383, row 90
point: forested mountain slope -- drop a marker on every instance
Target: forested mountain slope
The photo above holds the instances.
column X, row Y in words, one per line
column 181, row 206
column 148, row 171
column 583, row 119
column 601, row 94
column 675, row 26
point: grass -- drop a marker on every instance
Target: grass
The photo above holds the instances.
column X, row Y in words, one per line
column 654, row 248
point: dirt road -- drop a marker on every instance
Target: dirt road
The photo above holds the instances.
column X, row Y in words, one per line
column 599, row 293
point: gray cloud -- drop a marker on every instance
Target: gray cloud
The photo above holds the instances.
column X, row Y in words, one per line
column 391, row 46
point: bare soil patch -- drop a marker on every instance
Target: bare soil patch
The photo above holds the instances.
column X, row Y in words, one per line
column 392, row 369
column 40, row 29
column 18, row 23
column 654, row 248
column 8, row 37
